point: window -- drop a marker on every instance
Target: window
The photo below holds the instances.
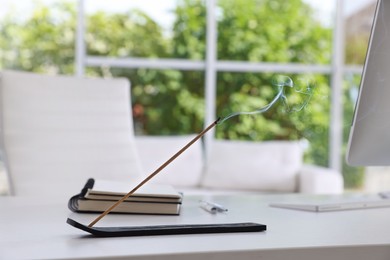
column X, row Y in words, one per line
column 190, row 61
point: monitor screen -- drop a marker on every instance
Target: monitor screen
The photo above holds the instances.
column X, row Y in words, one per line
column 369, row 139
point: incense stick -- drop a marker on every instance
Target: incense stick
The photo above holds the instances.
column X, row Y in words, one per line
column 154, row 173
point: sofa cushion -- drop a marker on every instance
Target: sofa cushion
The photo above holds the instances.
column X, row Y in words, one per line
column 247, row 165
column 184, row 171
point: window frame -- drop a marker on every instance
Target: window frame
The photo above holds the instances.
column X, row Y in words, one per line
column 211, row 65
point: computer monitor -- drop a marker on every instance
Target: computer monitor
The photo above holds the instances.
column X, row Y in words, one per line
column 369, row 139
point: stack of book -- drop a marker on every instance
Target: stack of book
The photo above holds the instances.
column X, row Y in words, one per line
column 99, row 195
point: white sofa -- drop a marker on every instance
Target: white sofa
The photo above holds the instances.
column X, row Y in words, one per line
column 236, row 166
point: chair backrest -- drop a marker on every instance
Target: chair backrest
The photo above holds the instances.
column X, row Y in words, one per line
column 58, row 131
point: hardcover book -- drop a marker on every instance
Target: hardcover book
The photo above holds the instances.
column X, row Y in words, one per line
column 99, row 195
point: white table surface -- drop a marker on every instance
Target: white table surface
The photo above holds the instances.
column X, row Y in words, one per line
column 35, row 229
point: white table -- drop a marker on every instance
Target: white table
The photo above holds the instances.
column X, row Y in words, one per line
column 37, row 230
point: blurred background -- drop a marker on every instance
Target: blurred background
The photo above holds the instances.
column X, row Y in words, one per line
column 190, row 61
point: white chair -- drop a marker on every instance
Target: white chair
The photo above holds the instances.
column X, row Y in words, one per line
column 58, row 131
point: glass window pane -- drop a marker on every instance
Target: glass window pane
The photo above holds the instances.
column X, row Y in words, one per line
column 137, row 28
column 358, row 22
column 302, row 114
column 165, row 102
column 38, row 36
column 272, row 31
column 353, row 176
